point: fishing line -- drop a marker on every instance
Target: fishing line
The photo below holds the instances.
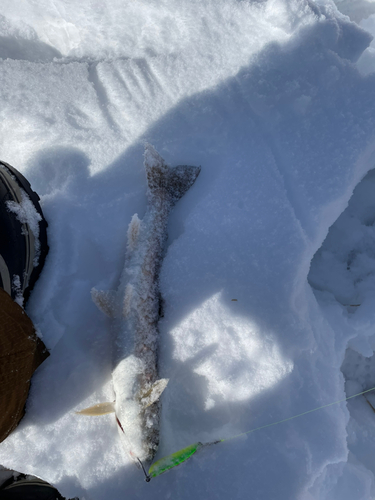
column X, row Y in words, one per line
column 297, row 416
column 177, row 458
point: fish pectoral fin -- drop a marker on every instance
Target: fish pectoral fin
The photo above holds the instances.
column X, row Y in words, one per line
column 99, row 409
column 151, row 394
column 106, row 301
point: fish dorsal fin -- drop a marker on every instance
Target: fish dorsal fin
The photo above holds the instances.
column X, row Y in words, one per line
column 106, row 301
column 126, row 306
column 151, row 394
column 99, row 409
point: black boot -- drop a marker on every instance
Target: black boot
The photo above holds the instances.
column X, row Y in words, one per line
column 23, row 234
column 28, row 488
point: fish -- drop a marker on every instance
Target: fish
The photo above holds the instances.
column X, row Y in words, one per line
column 135, row 309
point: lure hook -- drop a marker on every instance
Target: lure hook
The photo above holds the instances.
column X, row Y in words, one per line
column 147, row 477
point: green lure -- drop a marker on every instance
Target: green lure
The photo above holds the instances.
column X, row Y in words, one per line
column 172, row 460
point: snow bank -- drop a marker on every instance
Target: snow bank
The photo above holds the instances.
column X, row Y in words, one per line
column 342, row 275
column 266, row 98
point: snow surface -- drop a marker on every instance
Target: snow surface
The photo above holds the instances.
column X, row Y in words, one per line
column 267, row 98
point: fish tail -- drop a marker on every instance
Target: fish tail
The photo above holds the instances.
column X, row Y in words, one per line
column 176, row 181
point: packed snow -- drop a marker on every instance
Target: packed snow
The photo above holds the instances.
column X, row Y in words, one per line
column 268, row 313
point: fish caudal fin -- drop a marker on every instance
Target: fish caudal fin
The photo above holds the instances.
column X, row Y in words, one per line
column 176, row 181
column 181, row 179
column 99, row 409
column 106, row 301
column 148, row 396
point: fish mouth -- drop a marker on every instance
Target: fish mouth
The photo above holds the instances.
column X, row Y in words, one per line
column 119, row 424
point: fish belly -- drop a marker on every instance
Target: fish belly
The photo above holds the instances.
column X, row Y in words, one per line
column 127, row 408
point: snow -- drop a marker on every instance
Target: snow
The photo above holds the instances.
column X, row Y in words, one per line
column 16, row 287
column 267, row 97
column 26, row 213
